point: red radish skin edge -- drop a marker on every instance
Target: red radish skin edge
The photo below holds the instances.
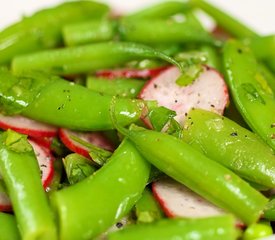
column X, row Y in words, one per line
column 27, row 126
column 5, row 204
column 64, row 135
column 130, row 73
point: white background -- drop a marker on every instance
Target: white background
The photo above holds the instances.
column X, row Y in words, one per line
column 258, row 14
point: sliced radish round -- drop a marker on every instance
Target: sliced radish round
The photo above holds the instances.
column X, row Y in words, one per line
column 27, row 126
column 5, row 203
column 130, row 73
column 177, row 200
column 208, row 92
column 45, row 161
column 96, row 138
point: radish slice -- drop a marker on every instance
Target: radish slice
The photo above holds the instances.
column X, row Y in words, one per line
column 45, row 161
column 95, row 138
column 177, row 200
column 27, row 126
column 5, row 203
column 208, row 92
column 130, row 73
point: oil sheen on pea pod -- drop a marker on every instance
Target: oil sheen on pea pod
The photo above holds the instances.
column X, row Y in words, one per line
column 58, row 102
column 250, row 90
column 21, row 174
column 91, row 206
column 214, row 228
column 204, row 176
column 231, row 145
column 42, row 30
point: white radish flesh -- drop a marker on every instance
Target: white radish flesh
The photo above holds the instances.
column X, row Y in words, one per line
column 27, row 126
column 208, row 92
column 177, row 200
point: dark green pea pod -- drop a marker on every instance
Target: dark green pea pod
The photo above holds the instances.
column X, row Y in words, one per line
column 91, row 206
column 21, row 175
column 204, row 176
column 147, row 209
column 43, row 29
column 231, row 145
column 128, row 88
column 86, row 58
column 250, row 90
column 59, row 102
column 214, row 228
column 227, row 22
column 161, row 10
column 8, row 229
column 88, row 32
column 156, row 31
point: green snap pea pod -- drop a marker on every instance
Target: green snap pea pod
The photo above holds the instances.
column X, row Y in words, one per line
column 77, row 167
column 227, row 22
column 153, row 31
column 213, row 59
column 43, row 29
column 262, row 46
column 188, row 166
column 89, row 207
column 147, row 209
column 88, row 32
column 250, row 91
column 257, row 231
column 8, row 229
column 161, row 10
column 269, row 211
column 56, row 101
column 20, row 171
column 214, row 228
column 128, row 88
column 86, row 58
column 231, row 145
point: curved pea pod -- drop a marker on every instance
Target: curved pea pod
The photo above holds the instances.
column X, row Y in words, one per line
column 156, row 31
column 250, row 90
column 21, row 175
column 161, row 10
column 86, row 58
column 231, row 145
column 43, row 29
column 9, row 229
column 214, row 228
column 91, row 206
column 58, row 102
column 204, row 176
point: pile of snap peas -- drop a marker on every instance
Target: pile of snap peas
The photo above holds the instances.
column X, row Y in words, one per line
column 53, row 68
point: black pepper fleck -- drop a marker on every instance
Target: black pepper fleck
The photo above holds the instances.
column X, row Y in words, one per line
column 234, row 134
column 119, row 225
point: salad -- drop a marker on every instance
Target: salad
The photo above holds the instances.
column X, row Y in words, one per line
column 144, row 125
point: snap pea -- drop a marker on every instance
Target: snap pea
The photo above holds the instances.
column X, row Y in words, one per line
column 250, row 91
column 89, row 207
column 86, row 58
column 147, row 210
column 43, row 29
column 214, row 228
column 128, row 88
column 231, row 145
column 152, row 31
column 53, row 100
column 185, row 164
column 161, row 10
column 8, row 229
column 88, row 32
column 21, row 174
column 227, row 22
column 257, row 231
